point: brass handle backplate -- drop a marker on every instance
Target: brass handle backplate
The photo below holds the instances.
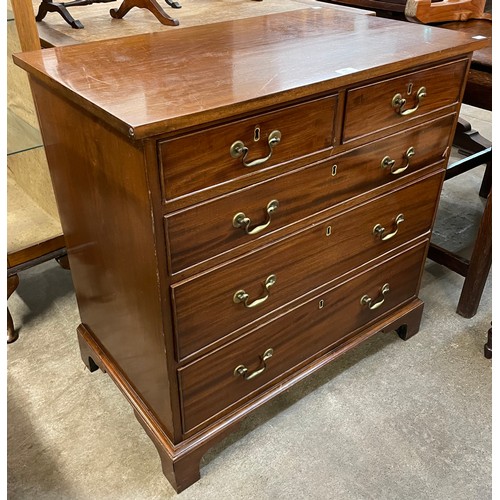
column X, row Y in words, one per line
column 242, row 370
column 372, row 304
column 379, row 230
column 240, row 220
column 399, row 102
column 238, row 149
column 242, row 296
column 388, row 162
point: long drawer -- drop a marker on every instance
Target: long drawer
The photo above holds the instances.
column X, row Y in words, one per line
column 197, row 161
column 216, row 303
column 396, row 101
column 238, row 370
column 209, row 229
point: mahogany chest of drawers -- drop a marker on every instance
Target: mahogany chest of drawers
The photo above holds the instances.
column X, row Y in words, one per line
column 243, row 209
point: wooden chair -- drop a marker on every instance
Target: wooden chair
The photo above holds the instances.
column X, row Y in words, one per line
column 34, row 233
column 474, row 17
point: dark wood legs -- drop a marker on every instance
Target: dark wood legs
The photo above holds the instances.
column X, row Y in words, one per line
column 63, row 261
column 478, row 268
column 152, row 5
column 61, row 8
column 47, row 6
column 487, row 346
column 12, row 283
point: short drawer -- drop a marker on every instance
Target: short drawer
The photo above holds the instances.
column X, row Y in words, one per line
column 197, row 161
column 202, row 232
column 211, row 305
column 215, row 382
column 380, row 105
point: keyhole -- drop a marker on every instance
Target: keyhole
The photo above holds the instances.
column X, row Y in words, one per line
column 256, row 134
column 329, row 230
column 409, row 89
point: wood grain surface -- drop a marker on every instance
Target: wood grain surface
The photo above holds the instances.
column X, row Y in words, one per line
column 205, row 311
column 209, row 385
column 205, row 230
column 143, row 87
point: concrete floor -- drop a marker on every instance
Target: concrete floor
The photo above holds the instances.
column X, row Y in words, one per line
column 389, row 420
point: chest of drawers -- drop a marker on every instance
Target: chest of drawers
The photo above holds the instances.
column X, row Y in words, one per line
column 243, row 211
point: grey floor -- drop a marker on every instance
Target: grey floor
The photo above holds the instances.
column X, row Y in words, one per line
column 389, row 420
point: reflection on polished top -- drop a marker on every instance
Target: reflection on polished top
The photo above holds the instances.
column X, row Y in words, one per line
column 161, row 82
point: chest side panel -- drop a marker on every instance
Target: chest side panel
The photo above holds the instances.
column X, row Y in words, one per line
column 102, row 194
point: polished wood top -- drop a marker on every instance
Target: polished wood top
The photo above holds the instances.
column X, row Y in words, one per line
column 153, row 83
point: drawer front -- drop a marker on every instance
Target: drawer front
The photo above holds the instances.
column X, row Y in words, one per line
column 209, row 229
column 210, row 385
column 214, row 304
column 375, row 107
column 208, row 158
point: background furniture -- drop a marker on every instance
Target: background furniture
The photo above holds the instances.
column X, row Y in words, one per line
column 99, row 25
column 311, row 232
column 34, row 233
column 393, row 9
column 474, row 18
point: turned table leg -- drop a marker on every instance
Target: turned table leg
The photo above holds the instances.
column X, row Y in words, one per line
column 12, row 282
column 63, row 261
column 487, row 346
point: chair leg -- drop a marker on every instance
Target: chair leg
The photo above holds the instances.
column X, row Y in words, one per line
column 487, row 346
column 12, row 283
column 63, row 261
column 486, row 183
column 479, row 267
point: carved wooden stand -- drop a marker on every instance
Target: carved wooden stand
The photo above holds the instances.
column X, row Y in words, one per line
column 153, row 6
column 62, row 8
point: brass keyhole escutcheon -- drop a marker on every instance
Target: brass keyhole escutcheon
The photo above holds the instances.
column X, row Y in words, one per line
column 256, row 134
